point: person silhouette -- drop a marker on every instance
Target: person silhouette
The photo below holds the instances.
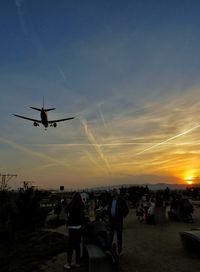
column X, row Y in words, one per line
column 76, row 219
column 117, row 211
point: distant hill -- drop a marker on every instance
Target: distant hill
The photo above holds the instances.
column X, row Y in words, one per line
column 153, row 187
column 163, row 186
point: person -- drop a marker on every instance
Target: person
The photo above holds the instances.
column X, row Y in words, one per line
column 173, row 213
column 57, row 209
column 76, row 219
column 97, row 232
column 150, row 216
column 139, row 212
column 145, row 205
column 185, row 211
column 117, row 211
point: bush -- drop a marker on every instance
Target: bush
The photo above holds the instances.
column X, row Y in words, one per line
column 20, row 211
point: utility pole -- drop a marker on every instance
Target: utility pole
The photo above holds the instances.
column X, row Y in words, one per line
column 4, row 180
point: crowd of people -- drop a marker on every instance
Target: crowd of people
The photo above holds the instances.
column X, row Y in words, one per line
column 110, row 209
column 100, row 231
column 175, row 205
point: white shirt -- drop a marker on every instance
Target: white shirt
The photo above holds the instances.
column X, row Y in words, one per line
column 113, row 207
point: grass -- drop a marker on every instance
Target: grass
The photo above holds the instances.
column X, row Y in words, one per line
column 29, row 250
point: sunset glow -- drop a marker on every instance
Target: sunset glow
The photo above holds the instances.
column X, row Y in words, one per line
column 119, row 70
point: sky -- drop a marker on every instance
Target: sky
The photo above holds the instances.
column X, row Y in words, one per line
column 129, row 71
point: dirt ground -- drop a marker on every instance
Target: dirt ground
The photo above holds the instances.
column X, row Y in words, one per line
column 147, row 248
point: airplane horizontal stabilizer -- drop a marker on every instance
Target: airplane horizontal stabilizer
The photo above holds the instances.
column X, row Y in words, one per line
column 35, row 108
column 49, row 109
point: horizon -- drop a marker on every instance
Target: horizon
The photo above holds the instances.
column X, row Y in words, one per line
column 157, row 185
column 151, row 186
column 128, row 71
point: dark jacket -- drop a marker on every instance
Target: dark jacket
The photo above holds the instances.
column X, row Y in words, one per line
column 122, row 209
column 76, row 215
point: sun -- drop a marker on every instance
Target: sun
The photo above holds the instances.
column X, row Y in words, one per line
column 189, row 180
column 189, row 176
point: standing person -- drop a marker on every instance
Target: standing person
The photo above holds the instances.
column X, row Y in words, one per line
column 117, row 211
column 75, row 211
column 150, row 215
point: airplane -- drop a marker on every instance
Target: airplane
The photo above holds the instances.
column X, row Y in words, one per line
column 44, row 117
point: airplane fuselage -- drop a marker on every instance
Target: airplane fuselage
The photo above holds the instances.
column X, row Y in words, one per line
column 44, row 118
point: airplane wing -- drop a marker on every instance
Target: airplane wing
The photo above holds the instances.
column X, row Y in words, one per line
column 27, row 118
column 60, row 120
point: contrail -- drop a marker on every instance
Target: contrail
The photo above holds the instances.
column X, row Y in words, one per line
column 114, row 144
column 102, row 117
column 32, row 153
column 171, row 138
column 62, row 74
column 18, row 4
column 161, row 143
column 92, row 140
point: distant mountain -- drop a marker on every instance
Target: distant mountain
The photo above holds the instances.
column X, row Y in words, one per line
column 153, row 187
column 163, row 186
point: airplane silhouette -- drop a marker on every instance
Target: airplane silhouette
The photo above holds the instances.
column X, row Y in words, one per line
column 44, row 117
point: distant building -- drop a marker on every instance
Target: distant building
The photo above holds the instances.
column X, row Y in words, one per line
column 62, row 188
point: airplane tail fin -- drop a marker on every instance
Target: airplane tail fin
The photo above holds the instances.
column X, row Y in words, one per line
column 38, row 109
column 50, row 109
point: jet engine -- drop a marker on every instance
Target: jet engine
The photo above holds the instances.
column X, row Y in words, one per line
column 36, row 124
column 54, row 124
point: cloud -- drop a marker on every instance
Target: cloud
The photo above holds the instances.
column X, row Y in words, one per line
column 33, row 153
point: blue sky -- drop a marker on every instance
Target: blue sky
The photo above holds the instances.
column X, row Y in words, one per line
column 129, row 72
